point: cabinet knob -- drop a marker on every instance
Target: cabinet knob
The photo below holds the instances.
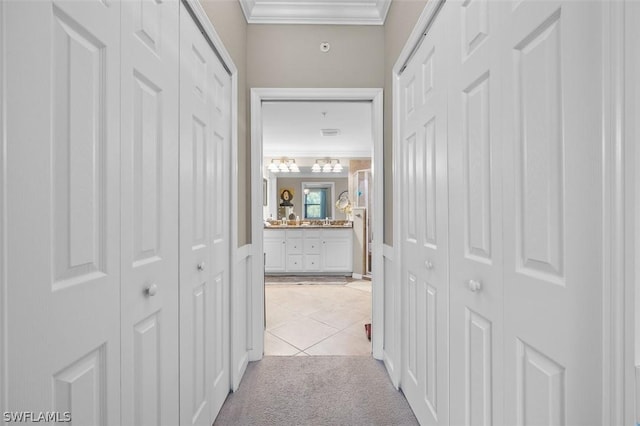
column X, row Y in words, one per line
column 428, row 265
column 284, row 242
column 151, row 290
column 201, row 266
column 474, row 286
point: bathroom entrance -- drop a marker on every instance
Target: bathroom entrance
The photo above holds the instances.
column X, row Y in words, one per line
column 317, row 156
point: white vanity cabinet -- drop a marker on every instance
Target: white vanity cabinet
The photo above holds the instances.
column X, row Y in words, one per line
column 275, row 249
column 308, row 250
column 336, row 251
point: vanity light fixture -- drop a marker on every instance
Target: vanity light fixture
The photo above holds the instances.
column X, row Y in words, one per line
column 327, row 165
column 283, row 165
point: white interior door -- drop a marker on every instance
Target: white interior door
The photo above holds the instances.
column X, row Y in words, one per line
column 553, row 213
column 475, row 197
column 205, row 96
column 424, row 231
column 149, row 167
column 63, row 208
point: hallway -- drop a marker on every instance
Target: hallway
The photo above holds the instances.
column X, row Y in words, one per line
column 316, row 391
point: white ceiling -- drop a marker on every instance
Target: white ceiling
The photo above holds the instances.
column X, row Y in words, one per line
column 293, row 129
column 345, row 12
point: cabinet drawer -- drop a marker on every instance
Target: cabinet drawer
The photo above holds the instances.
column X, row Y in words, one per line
column 294, row 245
column 312, row 262
column 312, row 246
column 294, row 262
column 311, row 233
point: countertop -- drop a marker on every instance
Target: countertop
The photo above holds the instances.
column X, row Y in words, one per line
column 308, row 226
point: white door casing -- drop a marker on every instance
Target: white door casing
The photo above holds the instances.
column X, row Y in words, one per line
column 424, row 246
column 475, row 206
column 205, row 133
column 149, row 249
column 63, row 208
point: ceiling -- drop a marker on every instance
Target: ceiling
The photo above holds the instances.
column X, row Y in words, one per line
column 294, row 129
column 338, row 12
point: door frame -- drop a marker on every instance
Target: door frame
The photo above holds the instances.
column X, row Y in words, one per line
column 256, row 295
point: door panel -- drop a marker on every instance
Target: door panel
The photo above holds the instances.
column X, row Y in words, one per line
column 149, row 169
column 553, row 222
column 205, row 134
column 63, row 208
column 475, row 188
column 424, row 230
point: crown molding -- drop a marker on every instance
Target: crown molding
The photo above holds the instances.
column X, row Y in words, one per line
column 372, row 12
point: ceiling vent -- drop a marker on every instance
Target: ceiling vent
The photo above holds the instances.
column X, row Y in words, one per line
column 330, row 132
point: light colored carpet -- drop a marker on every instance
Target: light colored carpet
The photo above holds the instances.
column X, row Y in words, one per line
column 318, row 390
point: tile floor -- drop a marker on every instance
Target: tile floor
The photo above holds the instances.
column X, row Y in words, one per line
column 317, row 319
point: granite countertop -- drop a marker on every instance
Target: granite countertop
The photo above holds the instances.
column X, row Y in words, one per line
column 309, row 224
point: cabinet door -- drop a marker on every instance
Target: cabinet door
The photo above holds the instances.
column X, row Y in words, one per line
column 312, row 245
column 275, row 252
column 336, row 252
column 149, row 253
column 312, row 262
column 294, row 263
column 294, row 244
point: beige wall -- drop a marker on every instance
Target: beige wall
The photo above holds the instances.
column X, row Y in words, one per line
column 402, row 17
column 289, row 56
column 231, row 26
column 296, row 185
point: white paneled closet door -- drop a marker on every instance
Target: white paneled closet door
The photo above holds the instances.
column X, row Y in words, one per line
column 149, row 168
column 205, row 129
column 424, row 231
column 63, row 208
column 475, row 183
column 552, row 204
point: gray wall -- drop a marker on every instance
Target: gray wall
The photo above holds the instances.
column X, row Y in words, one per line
column 341, row 184
column 402, row 17
column 289, row 56
column 231, row 26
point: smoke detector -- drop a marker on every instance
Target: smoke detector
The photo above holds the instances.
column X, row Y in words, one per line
column 330, row 132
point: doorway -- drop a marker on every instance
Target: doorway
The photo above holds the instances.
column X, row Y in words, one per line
column 293, row 205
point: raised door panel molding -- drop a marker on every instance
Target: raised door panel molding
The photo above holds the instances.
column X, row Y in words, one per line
column 147, row 171
column 478, row 369
column 147, row 371
column 540, row 162
column 477, row 170
column 78, row 184
column 541, row 388
column 80, row 389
